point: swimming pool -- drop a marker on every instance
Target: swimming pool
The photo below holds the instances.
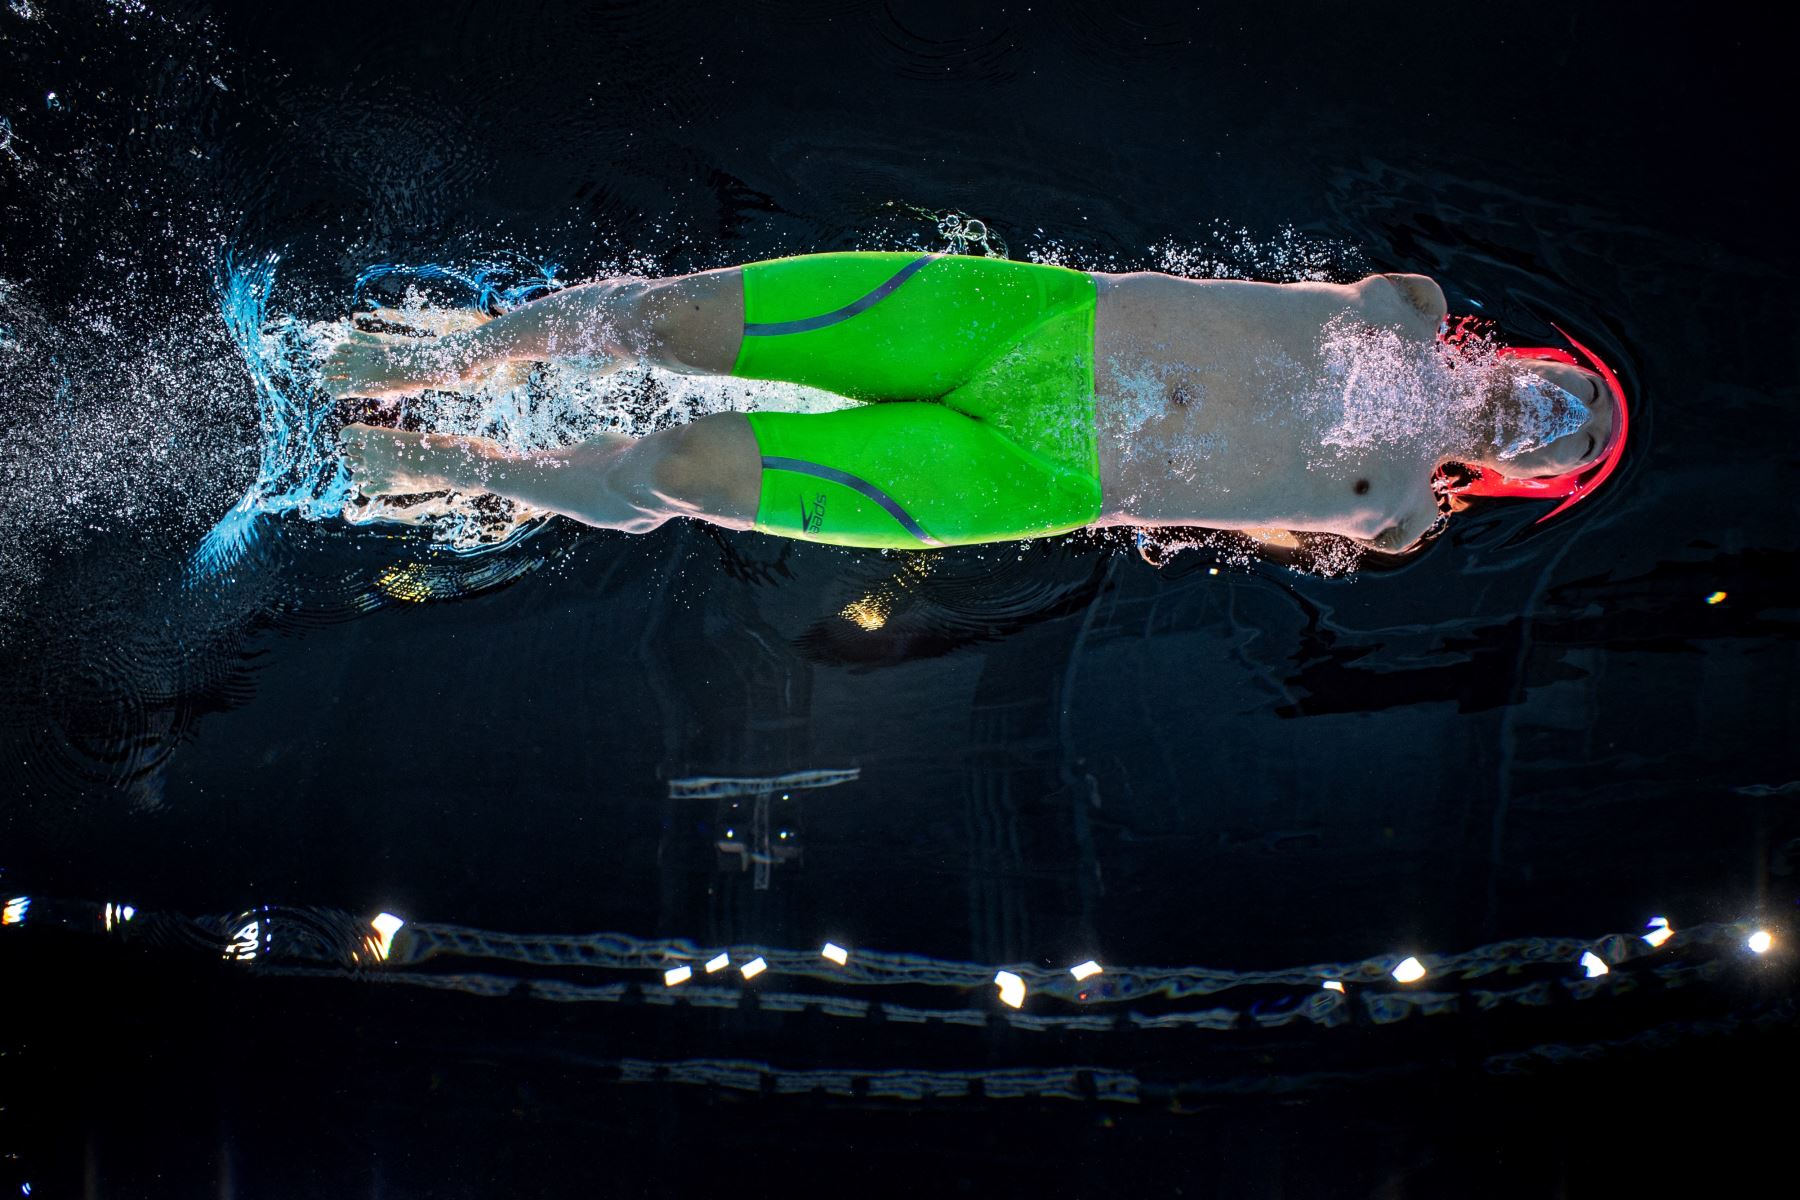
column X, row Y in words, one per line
column 578, row 761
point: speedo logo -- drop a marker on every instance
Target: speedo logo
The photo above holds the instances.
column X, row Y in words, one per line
column 812, row 520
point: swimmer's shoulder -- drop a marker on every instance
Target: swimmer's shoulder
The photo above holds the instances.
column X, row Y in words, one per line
column 1409, row 532
column 1415, row 301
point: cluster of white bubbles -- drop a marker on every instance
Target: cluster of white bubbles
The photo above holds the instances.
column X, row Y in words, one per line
column 112, row 430
column 1229, row 251
column 1381, row 390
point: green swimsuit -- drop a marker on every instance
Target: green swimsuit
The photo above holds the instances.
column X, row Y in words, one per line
column 985, row 370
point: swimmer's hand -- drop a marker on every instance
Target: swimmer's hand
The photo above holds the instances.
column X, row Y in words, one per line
column 395, row 462
column 388, row 355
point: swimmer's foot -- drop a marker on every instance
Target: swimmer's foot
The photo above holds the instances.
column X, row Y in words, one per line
column 464, row 522
column 392, row 462
column 393, row 352
column 398, row 510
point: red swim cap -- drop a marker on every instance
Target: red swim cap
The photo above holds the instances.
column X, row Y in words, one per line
column 1570, row 486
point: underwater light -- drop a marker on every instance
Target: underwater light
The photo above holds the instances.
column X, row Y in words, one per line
column 1660, row 931
column 717, row 963
column 1594, row 965
column 15, row 910
column 754, row 967
column 1084, row 970
column 386, row 925
column 835, row 953
column 1717, row 598
column 1410, row 971
column 1760, row 941
column 675, row 975
column 1012, row 988
column 1333, row 985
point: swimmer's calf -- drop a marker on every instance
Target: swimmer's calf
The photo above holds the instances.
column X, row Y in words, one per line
column 690, row 324
column 709, row 469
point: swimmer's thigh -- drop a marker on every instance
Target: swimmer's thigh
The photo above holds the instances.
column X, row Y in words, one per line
column 893, row 326
column 909, row 476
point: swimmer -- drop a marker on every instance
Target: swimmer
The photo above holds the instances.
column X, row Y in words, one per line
column 1008, row 400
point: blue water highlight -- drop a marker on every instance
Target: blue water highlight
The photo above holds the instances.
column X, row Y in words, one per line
column 300, row 470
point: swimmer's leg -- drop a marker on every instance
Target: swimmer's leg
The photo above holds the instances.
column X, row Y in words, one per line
column 709, row 469
column 693, row 324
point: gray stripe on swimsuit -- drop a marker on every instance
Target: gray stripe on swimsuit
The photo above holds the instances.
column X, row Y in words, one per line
column 855, row 483
column 808, row 324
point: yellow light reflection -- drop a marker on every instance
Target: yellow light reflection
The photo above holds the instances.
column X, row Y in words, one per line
column 1594, row 965
column 835, row 953
column 15, row 910
column 718, row 963
column 406, row 581
column 1410, row 971
column 869, row 613
column 1760, row 941
column 1716, row 598
column 754, row 967
column 386, row 925
column 1085, row 970
column 675, row 975
column 1660, row 931
column 1012, row 988
column 1332, row 985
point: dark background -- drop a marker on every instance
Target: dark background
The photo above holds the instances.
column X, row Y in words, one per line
column 1531, row 731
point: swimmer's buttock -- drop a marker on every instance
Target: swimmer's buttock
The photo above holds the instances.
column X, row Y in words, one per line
column 986, row 370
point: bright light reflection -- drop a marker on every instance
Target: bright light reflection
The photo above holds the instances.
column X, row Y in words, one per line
column 1716, row 598
column 244, row 942
column 1760, row 941
column 718, row 963
column 1332, row 985
column 1410, row 971
column 1012, row 988
column 1660, row 931
column 1085, row 970
column 386, row 925
column 835, row 953
column 128, row 912
column 675, row 975
column 15, row 910
column 1594, row 965
column 754, row 967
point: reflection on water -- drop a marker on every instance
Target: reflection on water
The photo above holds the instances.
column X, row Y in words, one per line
column 921, row 1000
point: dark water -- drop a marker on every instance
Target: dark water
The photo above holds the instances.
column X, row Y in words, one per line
column 1224, row 781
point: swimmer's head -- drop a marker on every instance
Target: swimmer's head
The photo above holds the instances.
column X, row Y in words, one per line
column 1557, row 433
column 1552, row 419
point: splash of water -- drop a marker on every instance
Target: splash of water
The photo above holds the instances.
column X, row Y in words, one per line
column 523, row 407
column 1379, row 389
column 1540, row 414
column 299, row 471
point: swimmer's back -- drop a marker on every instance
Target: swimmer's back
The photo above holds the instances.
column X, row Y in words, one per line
column 1200, row 388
